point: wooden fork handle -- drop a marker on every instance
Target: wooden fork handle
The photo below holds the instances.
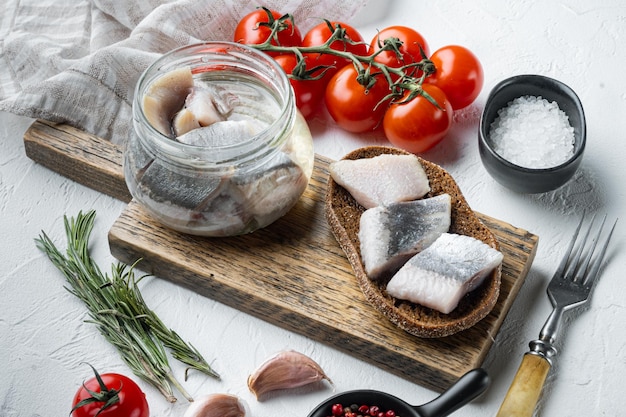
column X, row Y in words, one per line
column 524, row 392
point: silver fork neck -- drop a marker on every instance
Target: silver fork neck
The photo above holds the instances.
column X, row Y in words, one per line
column 551, row 327
column 542, row 348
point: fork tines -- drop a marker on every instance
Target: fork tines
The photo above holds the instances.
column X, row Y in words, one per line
column 571, row 267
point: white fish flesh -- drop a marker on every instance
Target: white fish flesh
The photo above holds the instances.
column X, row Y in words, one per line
column 272, row 189
column 165, row 97
column 204, row 106
column 440, row 275
column 208, row 105
column 381, row 180
column 390, row 235
column 175, row 104
column 227, row 132
column 184, row 122
column 229, row 203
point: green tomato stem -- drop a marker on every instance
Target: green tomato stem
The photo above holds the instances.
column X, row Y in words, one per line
column 406, row 80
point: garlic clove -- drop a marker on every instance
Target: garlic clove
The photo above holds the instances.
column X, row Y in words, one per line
column 286, row 369
column 216, row 405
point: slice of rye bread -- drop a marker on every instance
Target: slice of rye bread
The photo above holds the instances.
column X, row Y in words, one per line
column 343, row 214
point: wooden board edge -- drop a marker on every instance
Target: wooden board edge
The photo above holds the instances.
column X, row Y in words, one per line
column 526, row 240
column 86, row 159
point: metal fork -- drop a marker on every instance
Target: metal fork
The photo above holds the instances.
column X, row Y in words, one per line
column 569, row 288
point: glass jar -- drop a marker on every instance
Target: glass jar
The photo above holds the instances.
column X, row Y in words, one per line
column 219, row 148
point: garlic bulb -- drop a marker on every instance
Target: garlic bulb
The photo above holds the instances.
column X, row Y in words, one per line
column 216, row 405
column 287, row 369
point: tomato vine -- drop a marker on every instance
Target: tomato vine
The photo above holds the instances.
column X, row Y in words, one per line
column 367, row 86
column 404, row 75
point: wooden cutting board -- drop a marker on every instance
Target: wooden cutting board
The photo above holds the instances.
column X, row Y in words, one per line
column 292, row 274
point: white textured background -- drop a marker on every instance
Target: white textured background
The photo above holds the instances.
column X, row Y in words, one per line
column 43, row 338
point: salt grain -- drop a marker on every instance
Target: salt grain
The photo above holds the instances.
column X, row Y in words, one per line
column 532, row 132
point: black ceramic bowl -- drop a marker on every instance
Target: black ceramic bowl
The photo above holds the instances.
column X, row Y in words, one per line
column 518, row 178
column 468, row 387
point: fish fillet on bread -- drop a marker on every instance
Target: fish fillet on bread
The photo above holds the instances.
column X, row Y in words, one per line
column 343, row 214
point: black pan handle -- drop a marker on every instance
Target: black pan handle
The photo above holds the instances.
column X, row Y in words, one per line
column 468, row 387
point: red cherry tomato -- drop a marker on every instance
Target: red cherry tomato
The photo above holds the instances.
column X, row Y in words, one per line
column 410, row 49
column 254, row 28
column 308, row 93
column 131, row 401
column 458, row 73
column 354, row 107
column 418, row 125
column 319, row 34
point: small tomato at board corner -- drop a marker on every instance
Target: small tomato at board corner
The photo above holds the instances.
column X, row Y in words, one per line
column 418, row 125
column 109, row 395
column 458, row 73
column 352, row 106
column 254, row 29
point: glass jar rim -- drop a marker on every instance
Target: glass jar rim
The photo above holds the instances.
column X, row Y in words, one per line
column 208, row 56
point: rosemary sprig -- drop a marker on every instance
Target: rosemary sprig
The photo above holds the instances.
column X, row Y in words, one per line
column 119, row 311
column 180, row 350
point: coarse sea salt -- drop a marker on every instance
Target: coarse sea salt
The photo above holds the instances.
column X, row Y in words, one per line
column 532, row 132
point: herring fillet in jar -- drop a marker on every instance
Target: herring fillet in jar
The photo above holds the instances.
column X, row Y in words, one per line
column 219, row 148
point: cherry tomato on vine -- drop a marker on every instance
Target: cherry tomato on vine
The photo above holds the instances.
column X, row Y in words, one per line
column 458, row 73
column 308, row 93
column 255, row 28
column 319, row 34
column 110, row 395
column 354, row 107
column 418, row 125
column 410, row 49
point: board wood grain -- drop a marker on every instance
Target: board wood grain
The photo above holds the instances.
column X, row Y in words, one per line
column 292, row 274
column 79, row 156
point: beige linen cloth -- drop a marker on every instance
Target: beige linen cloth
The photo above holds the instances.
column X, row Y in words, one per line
column 77, row 61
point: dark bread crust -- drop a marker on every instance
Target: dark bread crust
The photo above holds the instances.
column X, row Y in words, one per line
column 343, row 214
